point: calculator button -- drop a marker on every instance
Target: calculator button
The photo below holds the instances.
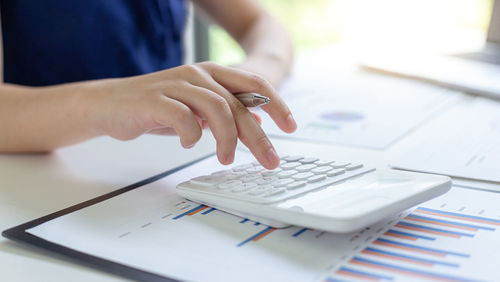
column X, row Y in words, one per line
column 234, row 175
column 324, row 162
column 282, row 182
column 305, row 167
column 255, row 163
column 255, row 169
column 222, row 172
column 249, row 177
column 321, row 169
column 336, row 172
column 302, row 175
column 284, row 156
column 272, row 172
column 308, row 160
column 291, row 165
column 229, row 184
column 316, row 178
column 340, row 164
column 244, row 187
column 353, row 166
column 259, row 190
column 286, row 173
column 293, row 158
column 295, row 185
column 208, row 180
column 242, row 167
column 275, row 191
column 266, row 180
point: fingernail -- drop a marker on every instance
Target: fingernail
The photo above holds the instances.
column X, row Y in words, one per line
column 290, row 122
column 190, row 146
column 272, row 158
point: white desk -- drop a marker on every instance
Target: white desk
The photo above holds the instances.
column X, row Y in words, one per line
column 35, row 185
column 32, row 186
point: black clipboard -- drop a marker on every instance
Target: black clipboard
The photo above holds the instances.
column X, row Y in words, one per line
column 19, row 234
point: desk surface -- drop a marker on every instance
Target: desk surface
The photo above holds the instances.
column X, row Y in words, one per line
column 35, row 185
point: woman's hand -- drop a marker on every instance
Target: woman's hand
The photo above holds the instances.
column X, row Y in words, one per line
column 186, row 99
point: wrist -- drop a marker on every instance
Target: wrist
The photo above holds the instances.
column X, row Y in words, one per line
column 79, row 106
column 272, row 67
column 91, row 104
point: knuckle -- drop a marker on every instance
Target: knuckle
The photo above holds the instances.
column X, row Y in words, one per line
column 207, row 64
column 193, row 70
column 181, row 114
column 259, row 82
column 219, row 104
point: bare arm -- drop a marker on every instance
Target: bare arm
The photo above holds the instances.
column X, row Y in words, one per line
column 181, row 101
column 266, row 43
column 39, row 119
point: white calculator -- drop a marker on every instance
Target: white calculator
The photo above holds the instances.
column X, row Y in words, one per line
column 323, row 194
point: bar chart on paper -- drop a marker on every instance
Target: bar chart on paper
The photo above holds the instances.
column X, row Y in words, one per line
column 454, row 237
column 446, row 239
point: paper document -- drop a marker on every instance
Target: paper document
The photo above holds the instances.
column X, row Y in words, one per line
column 465, row 142
column 454, row 237
column 457, row 73
column 358, row 108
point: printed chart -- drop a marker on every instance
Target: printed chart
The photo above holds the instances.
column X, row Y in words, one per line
column 427, row 244
column 358, row 109
column 454, row 237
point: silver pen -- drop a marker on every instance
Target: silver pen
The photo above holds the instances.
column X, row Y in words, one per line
column 252, row 99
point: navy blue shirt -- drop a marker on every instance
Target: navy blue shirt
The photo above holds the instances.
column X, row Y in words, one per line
column 49, row 42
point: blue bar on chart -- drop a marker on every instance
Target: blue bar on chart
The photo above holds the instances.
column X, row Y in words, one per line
column 465, row 217
column 331, row 279
column 406, row 258
column 432, row 230
column 191, row 211
column 300, row 232
column 404, row 270
column 417, row 248
column 258, row 236
column 354, row 273
column 208, row 211
column 447, row 223
column 407, row 235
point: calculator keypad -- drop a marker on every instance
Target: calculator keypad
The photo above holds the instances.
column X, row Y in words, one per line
column 296, row 175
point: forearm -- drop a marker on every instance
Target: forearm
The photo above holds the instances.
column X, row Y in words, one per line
column 268, row 47
column 266, row 43
column 40, row 119
column 180, row 100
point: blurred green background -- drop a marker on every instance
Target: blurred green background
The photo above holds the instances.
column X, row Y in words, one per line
column 313, row 23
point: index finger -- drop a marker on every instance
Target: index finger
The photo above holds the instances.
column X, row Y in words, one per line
column 237, row 81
